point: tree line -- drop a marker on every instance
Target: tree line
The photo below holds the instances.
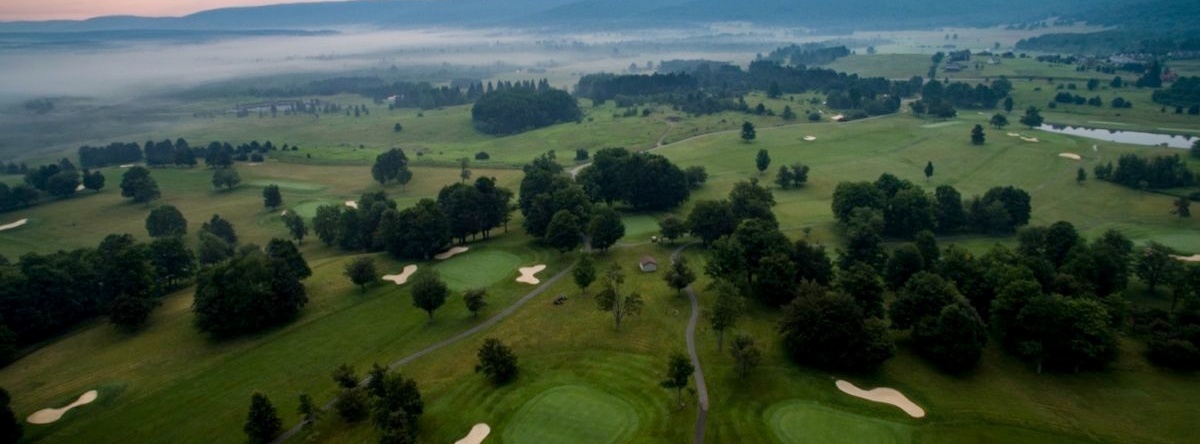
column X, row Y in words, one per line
column 1154, row 172
column 807, row 54
column 515, row 108
column 60, row 179
column 177, row 153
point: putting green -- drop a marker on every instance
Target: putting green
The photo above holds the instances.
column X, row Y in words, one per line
column 308, row 209
column 574, row 414
column 285, row 185
column 477, row 268
column 801, row 422
column 640, row 225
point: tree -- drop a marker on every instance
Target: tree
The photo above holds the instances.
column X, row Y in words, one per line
column 343, row 375
column 271, row 196
column 584, row 273
column 905, row 262
column 391, row 166
column 172, row 260
column 563, row 231
column 923, row 296
column 221, row 228
column 788, row 114
column 496, row 361
column 928, row 170
column 828, row 330
column 262, row 423
column 295, row 226
column 398, row 407
column 93, row 181
column 1155, row 265
column 63, row 184
column 397, row 127
column 1032, row 118
column 862, row 283
column 137, row 184
column 746, row 355
column 226, row 177
column 679, row 276
column 953, row 340
column 309, row 412
column 428, row 291
column 325, row 223
column 679, row 370
column 464, row 173
column 1008, row 104
column 605, row 228
column 784, row 177
column 166, row 221
column 726, row 311
column 762, row 161
column 977, row 136
column 361, row 272
column 999, row 121
column 711, row 219
column 612, row 300
column 247, row 294
column 10, row 429
column 672, row 228
column 696, row 175
column 748, row 133
column 1182, row 207
column 1080, row 176
column 474, row 300
column 1065, row 333
column 352, row 404
column 211, row 249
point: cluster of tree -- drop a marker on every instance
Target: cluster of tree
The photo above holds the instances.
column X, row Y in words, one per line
column 392, row 401
column 19, row 196
column 546, row 194
column 115, row 153
column 644, row 181
column 45, row 295
column 60, row 179
column 11, row 430
column 1068, row 98
column 900, row 208
column 250, row 291
column 403, row 94
column 475, row 209
column 391, row 166
column 1184, row 92
column 604, row 87
column 1155, row 172
column 807, row 54
column 376, row 225
column 522, row 107
column 940, row 99
column 794, row 176
column 712, row 219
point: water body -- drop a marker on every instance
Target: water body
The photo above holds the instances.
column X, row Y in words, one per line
column 1129, row 137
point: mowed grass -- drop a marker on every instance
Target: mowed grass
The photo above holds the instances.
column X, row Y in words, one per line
column 799, row 422
column 900, row 145
column 478, row 268
column 572, row 413
column 179, row 386
column 84, row 220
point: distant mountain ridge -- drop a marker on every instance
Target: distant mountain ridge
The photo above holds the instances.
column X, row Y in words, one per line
column 592, row 14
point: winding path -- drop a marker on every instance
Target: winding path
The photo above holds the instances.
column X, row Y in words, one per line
column 701, row 387
column 458, row 337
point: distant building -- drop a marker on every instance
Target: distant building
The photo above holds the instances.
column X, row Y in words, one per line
column 648, row 264
column 954, row 67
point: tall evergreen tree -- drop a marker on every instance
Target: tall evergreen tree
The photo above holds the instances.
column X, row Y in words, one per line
column 262, row 422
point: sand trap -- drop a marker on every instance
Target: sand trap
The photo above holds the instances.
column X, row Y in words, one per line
column 352, row 204
column 1070, row 156
column 1013, row 135
column 80, row 187
column 14, row 224
column 128, row 165
column 1030, row 139
column 478, row 433
column 253, row 164
column 838, row 118
column 810, row 138
column 1192, row 258
column 284, row 213
column 527, row 274
column 46, row 416
column 451, row 253
column 884, row 395
column 1096, row 148
column 401, row 278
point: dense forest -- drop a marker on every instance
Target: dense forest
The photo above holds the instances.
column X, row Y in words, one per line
column 514, row 108
column 1184, row 92
column 807, row 54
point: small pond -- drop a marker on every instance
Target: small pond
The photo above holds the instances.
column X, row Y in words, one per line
column 1130, row 137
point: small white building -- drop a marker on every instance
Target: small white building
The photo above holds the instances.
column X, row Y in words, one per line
column 648, row 264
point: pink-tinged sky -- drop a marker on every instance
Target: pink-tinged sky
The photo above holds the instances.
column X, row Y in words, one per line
column 11, row 10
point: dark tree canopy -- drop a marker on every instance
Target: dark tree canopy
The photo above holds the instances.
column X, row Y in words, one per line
column 645, row 181
column 272, row 198
column 496, row 361
column 517, row 109
column 391, row 166
column 221, row 228
column 605, row 228
column 247, row 294
column 262, row 422
column 828, row 330
column 428, row 291
column 137, row 184
column 166, row 221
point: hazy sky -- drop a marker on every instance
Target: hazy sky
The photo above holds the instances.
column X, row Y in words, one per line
column 81, row 9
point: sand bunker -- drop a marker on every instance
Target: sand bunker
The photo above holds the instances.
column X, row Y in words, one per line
column 1070, row 156
column 46, row 416
column 884, row 395
column 80, row 187
column 1030, row 139
column 128, row 165
column 1192, row 258
column 1013, row 135
column 401, row 278
column 14, row 224
column 810, row 138
column 478, row 433
column 527, row 274
column 451, row 253
column 284, row 213
column 352, row 204
column 838, row 118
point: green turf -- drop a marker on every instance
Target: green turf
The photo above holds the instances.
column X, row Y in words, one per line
column 641, row 225
column 479, row 268
column 575, row 414
column 288, row 185
column 803, row 422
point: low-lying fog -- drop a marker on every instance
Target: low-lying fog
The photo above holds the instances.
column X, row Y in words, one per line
column 122, row 69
